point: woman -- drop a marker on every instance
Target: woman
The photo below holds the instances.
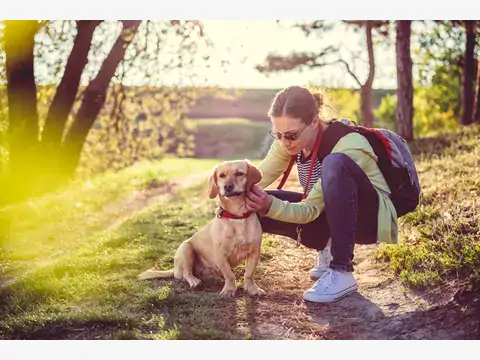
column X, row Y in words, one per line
column 346, row 197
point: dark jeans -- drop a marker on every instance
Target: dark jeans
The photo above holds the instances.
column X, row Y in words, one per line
column 350, row 216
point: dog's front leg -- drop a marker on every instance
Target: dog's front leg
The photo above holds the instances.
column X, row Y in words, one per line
column 250, row 266
column 230, row 286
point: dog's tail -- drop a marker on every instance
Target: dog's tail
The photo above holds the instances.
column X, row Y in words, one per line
column 154, row 273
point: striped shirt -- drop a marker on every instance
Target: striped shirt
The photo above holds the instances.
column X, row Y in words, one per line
column 303, row 166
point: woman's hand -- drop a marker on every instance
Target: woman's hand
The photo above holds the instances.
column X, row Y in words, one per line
column 258, row 200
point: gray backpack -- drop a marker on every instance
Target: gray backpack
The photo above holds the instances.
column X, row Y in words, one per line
column 394, row 160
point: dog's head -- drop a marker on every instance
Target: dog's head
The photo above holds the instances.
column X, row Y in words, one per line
column 233, row 178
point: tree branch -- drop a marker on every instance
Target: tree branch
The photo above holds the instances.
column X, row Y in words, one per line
column 295, row 60
column 371, row 58
column 350, row 71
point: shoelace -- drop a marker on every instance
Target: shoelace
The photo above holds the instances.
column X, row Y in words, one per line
column 330, row 276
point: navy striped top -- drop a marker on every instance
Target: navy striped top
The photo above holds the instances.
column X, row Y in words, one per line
column 303, row 166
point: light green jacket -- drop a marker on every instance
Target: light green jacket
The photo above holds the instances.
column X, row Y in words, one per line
column 359, row 150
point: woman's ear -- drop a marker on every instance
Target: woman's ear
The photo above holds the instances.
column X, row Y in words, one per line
column 254, row 176
column 212, row 185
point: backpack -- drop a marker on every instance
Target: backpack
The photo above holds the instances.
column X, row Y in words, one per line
column 395, row 160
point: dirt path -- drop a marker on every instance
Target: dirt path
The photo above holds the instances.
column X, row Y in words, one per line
column 381, row 309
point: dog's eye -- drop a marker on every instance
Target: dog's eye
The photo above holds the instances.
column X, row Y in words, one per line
column 222, row 175
column 239, row 173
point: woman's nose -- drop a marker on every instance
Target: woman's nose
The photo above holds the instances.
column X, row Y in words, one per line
column 284, row 141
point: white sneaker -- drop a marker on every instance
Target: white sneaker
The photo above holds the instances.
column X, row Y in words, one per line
column 331, row 286
column 322, row 262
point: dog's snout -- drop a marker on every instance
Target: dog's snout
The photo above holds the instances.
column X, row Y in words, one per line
column 228, row 186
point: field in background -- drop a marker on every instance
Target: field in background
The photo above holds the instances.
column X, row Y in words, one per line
column 255, row 103
column 229, row 137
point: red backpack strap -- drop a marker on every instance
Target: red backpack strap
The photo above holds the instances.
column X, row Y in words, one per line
column 386, row 143
column 287, row 171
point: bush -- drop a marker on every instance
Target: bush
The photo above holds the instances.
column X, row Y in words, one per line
column 137, row 128
column 431, row 116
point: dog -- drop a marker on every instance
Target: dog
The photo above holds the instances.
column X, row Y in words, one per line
column 232, row 236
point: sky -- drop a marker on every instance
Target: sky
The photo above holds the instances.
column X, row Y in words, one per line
column 246, row 43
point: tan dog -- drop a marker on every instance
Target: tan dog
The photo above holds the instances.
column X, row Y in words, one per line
column 232, row 236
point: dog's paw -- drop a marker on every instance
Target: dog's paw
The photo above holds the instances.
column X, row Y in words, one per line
column 228, row 292
column 194, row 282
column 255, row 291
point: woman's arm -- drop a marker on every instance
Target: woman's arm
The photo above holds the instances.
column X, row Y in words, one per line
column 274, row 163
column 359, row 150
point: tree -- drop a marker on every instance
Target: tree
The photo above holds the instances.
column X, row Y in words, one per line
column 404, row 112
column 451, row 46
column 468, row 74
column 476, row 106
column 44, row 153
column 295, row 60
column 22, row 101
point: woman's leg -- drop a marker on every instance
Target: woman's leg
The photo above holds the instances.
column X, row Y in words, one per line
column 315, row 235
column 351, row 208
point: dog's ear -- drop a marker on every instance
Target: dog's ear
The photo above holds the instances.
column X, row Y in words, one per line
column 212, row 185
column 254, row 176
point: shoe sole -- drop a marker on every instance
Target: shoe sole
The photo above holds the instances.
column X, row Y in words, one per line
column 329, row 298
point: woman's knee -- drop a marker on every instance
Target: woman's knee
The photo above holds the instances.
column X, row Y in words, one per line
column 334, row 166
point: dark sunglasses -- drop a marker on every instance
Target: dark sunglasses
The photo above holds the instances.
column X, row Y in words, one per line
column 290, row 136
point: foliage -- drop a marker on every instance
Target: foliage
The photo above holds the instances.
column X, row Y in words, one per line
column 439, row 241
column 142, row 127
column 345, row 103
column 439, row 52
column 386, row 112
column 429, row 117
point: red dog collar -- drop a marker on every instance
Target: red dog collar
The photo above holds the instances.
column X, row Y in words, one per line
column 225, row 214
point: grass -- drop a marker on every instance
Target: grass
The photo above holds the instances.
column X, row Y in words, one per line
column 45, row 227
column 441, row 239
column 229, row 137
column 93, row 292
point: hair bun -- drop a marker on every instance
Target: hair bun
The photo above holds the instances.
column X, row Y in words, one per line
column 318, row 99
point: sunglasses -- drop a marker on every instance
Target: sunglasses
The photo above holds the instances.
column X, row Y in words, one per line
column 290, row 136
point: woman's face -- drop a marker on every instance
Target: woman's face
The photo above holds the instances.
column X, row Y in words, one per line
column 293, row 133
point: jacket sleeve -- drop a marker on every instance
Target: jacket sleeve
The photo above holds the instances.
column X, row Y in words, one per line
column 273, row 165
column 353, row 145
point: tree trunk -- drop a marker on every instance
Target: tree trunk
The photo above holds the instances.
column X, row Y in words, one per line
column 94, row 98
column 366, row 89
column 468, row 78
column 366, row 114
column 404, row 78
column 67, row 89
column 22, row 103
column 476, row 105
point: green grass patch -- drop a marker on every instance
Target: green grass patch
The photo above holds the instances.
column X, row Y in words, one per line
column 440, row 241
column 93, row 293
column 49, row 226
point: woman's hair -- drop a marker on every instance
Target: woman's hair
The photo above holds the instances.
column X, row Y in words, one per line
column 301, row 102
